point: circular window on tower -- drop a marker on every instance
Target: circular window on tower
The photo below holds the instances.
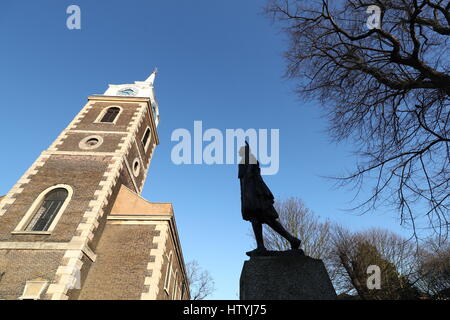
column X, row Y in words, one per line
column 136, row 167
column 91, row 142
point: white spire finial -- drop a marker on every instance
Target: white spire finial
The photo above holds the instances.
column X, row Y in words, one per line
column 152, row 77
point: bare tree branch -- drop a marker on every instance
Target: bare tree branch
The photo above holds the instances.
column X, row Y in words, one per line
column 201, row 284
column 387, row 89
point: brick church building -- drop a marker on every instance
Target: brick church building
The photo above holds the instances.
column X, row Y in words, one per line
column 74, row 226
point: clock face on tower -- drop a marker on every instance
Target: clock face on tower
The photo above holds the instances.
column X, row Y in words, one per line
column 127, row 92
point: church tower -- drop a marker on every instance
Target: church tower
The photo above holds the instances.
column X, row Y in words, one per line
column 74, row 226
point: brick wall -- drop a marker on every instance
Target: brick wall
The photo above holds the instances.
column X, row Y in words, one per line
column 88, row 122
column 120, row 269
column 82, row 173
column 164, row 294
column 110, row 142
column 18, row 266
column 123, row 252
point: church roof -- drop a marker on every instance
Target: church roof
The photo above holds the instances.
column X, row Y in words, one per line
column 130, row 203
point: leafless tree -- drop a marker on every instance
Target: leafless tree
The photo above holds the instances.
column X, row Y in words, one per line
column 434, row 269
column 387, row 88
column 302, row 223
column 354, row 252
column 201, row 284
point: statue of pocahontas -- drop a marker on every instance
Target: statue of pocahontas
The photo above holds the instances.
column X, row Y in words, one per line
column 257, row 202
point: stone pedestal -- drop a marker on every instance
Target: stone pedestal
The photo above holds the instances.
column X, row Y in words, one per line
column 285, row 277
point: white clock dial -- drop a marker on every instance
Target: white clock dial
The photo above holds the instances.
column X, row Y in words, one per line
column 127, row 92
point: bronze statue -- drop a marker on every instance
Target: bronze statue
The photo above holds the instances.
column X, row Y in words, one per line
column 257, row 202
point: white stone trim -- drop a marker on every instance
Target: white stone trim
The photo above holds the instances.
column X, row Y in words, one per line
column 60, row 139
column 103, row 112
column 81, row 153
column 39, row 284
column 39, row 245
column 127, row 142
column 124, row 133
column 32, row 232
column 147, row 166
column 85, row 230
column 89, row 105
column 10, row 197
column 137, row 220
column 154, row 121
column 156, row 266
column 161, row 216
column 115, row 99
column 32, row 210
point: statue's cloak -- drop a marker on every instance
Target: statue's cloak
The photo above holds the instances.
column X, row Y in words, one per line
column 256, row 198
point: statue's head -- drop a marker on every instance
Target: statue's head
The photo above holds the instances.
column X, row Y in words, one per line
column 242, row 151
column 246, row 155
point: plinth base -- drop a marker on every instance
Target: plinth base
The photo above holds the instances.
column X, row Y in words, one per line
column 285, row 277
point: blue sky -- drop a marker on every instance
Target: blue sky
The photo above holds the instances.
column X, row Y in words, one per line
column 220, row 62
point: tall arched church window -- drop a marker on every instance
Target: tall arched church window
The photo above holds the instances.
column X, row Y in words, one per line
column 47, row 210
column 168, row 273
column 183, row 290
column 110, row 114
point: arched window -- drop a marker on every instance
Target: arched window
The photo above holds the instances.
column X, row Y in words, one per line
column 175, row 285
column 168, row 273
column 110, row 114
column 47, row 210
column 183, row 290
column 146, row 139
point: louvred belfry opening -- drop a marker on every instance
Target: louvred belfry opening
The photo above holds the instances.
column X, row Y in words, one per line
column 110, row 114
